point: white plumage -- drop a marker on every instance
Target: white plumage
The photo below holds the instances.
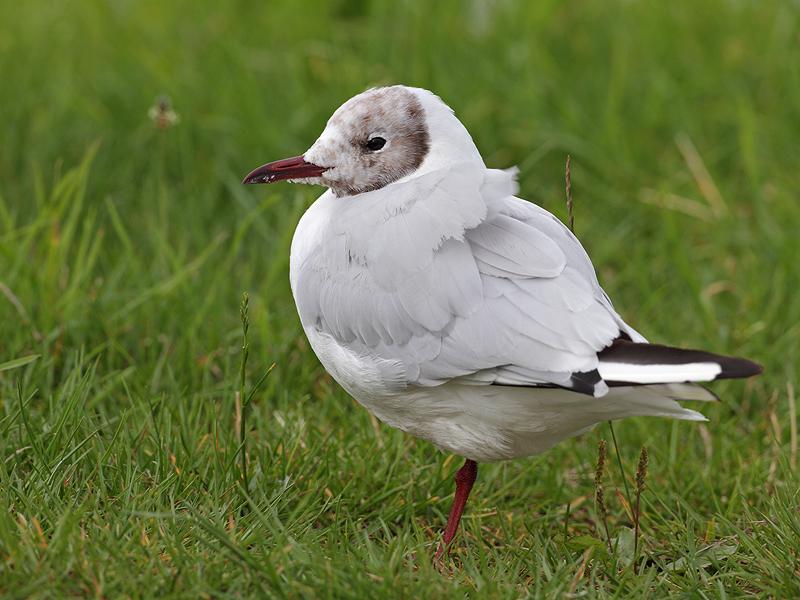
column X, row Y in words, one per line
column 418, row 299
column 455, row 311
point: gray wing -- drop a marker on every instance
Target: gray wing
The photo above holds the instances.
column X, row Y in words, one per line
column 454, row 277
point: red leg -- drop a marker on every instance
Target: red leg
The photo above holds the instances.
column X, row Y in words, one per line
column 465, row 477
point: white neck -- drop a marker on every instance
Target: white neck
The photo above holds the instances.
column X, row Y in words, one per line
column 450, row 142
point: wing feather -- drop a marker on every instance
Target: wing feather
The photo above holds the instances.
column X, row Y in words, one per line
column 453, row 277
column 515, row 248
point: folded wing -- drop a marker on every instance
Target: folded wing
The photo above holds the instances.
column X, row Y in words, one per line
column 453, row 277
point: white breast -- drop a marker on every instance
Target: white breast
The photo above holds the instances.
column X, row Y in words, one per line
column 364, row 377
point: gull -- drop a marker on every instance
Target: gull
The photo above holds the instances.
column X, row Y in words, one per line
column 455, row 311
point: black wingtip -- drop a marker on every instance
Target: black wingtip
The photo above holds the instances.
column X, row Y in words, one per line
column 624, row 351
column 734, row 367
column 585, row 382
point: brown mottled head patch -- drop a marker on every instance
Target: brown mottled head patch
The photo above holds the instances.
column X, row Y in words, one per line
column 392, row 113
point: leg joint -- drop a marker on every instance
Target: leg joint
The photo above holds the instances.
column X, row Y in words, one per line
column 467, row 474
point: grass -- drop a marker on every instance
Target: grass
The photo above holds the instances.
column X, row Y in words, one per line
column 125, row 250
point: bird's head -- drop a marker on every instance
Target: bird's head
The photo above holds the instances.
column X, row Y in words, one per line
column 376, row 138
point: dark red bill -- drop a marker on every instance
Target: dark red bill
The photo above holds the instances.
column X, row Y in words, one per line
column 288, row 168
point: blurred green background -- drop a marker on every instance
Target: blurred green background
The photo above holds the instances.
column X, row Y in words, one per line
column 125, row 248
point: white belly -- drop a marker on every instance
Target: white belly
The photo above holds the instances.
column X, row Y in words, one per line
column 481, row 422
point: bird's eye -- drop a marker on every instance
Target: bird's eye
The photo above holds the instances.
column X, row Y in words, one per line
column 375, row 143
